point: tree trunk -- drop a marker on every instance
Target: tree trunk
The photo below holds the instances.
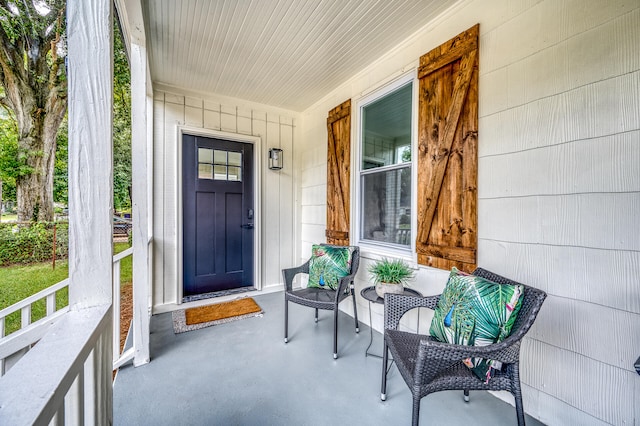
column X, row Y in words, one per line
column 35, row 89
column 37, row 142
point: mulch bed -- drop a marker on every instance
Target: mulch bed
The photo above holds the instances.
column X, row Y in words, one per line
column 126, row 311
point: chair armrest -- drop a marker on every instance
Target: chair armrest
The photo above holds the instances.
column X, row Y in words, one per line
column 506, row 351
column 396, row 305
column 290, row 273
column 344, row 285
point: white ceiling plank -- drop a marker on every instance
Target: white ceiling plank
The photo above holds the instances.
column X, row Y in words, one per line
column 284, row 53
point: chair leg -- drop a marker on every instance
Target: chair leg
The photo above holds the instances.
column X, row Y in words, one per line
column 385, row 359
column 415, row 416
column 519, row 409
column 286, row 320
column 355, row 310
column 517, row 393
column 316, row 318
column 466, row 395
column 335, row 333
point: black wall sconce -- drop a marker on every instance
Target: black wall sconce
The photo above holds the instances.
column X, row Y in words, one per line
column 275, row 159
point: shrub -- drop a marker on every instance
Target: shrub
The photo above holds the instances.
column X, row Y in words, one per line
column 22, row 243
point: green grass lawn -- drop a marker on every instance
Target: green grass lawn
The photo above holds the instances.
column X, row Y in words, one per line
column 21, row 281
column 6, row 217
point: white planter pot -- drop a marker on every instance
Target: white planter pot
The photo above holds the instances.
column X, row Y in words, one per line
column 382, row 288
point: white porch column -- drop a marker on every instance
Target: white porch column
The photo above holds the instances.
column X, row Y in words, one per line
column 90, row 73
column 90, row 94
column 140, row 117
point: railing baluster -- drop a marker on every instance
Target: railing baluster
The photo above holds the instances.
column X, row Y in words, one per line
column 116, row 310
column 58, row 418
column 90, row 385
column 74, row 401
column 51, row 303
column 119, row 358
column 25, row 319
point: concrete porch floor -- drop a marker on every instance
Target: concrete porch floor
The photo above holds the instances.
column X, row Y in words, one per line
column 242, row 373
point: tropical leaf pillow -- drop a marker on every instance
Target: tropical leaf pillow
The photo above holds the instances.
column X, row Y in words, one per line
column 328, row 264
column 478, row 312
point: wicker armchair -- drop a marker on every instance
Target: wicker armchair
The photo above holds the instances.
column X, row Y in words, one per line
column 428, row 366
column 320, row 298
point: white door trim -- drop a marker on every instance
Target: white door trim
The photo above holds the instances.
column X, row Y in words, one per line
column 257, row 168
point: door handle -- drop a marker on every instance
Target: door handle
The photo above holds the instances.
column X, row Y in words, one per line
column 247, row 226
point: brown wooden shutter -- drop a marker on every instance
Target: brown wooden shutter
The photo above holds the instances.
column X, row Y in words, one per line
column 448, row 154
column 338, row 174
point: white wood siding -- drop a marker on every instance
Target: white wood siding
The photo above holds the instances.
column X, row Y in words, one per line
column 276, row 129
column 559, row 188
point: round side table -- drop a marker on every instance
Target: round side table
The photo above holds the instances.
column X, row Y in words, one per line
column 370, row 295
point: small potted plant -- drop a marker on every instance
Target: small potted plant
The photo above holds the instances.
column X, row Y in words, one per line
column 390, row 276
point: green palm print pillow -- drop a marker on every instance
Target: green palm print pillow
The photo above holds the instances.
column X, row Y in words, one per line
column 328, row 264
column 478, row 312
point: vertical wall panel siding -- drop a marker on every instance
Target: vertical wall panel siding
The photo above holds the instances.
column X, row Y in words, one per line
column 173, row 116
column 173, row 110
column 158, row 198
column 271, row 230
column 559, row 187
column 286, row 219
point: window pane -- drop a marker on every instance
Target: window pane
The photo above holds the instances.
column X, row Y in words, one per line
column 220, row 172
column 235, row 159
column 235, row 173
column 205, row 155
column 205, row 171
column 386, row 126
column 386, row 206
column 220, row 157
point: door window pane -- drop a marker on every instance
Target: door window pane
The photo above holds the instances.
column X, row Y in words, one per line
column 235, row 159
column 205, row 171
column 219, row 157
column 205, row 155
column 219, row 164
column 220, row 172
column 235, row 173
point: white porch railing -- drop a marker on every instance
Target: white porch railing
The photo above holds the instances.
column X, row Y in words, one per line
column 29, row 333
column 19, row 342
column 119, row 358
column 66, row 377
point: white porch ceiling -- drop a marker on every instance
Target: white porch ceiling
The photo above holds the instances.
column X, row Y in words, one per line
column 283, row 53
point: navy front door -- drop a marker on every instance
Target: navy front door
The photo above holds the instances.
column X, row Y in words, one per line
column 218, row 215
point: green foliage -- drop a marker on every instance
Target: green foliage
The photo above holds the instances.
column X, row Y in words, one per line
column 19, row 282
column 61, row 172
column 11, row 163
column 33, row 242
column 121, row 126
column 395, row 271
column 23, row 20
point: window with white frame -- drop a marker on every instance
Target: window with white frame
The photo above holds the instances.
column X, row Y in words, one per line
column 385, row 167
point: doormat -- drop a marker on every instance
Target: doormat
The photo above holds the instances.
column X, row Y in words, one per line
column 211, row 295
column 220, row 313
